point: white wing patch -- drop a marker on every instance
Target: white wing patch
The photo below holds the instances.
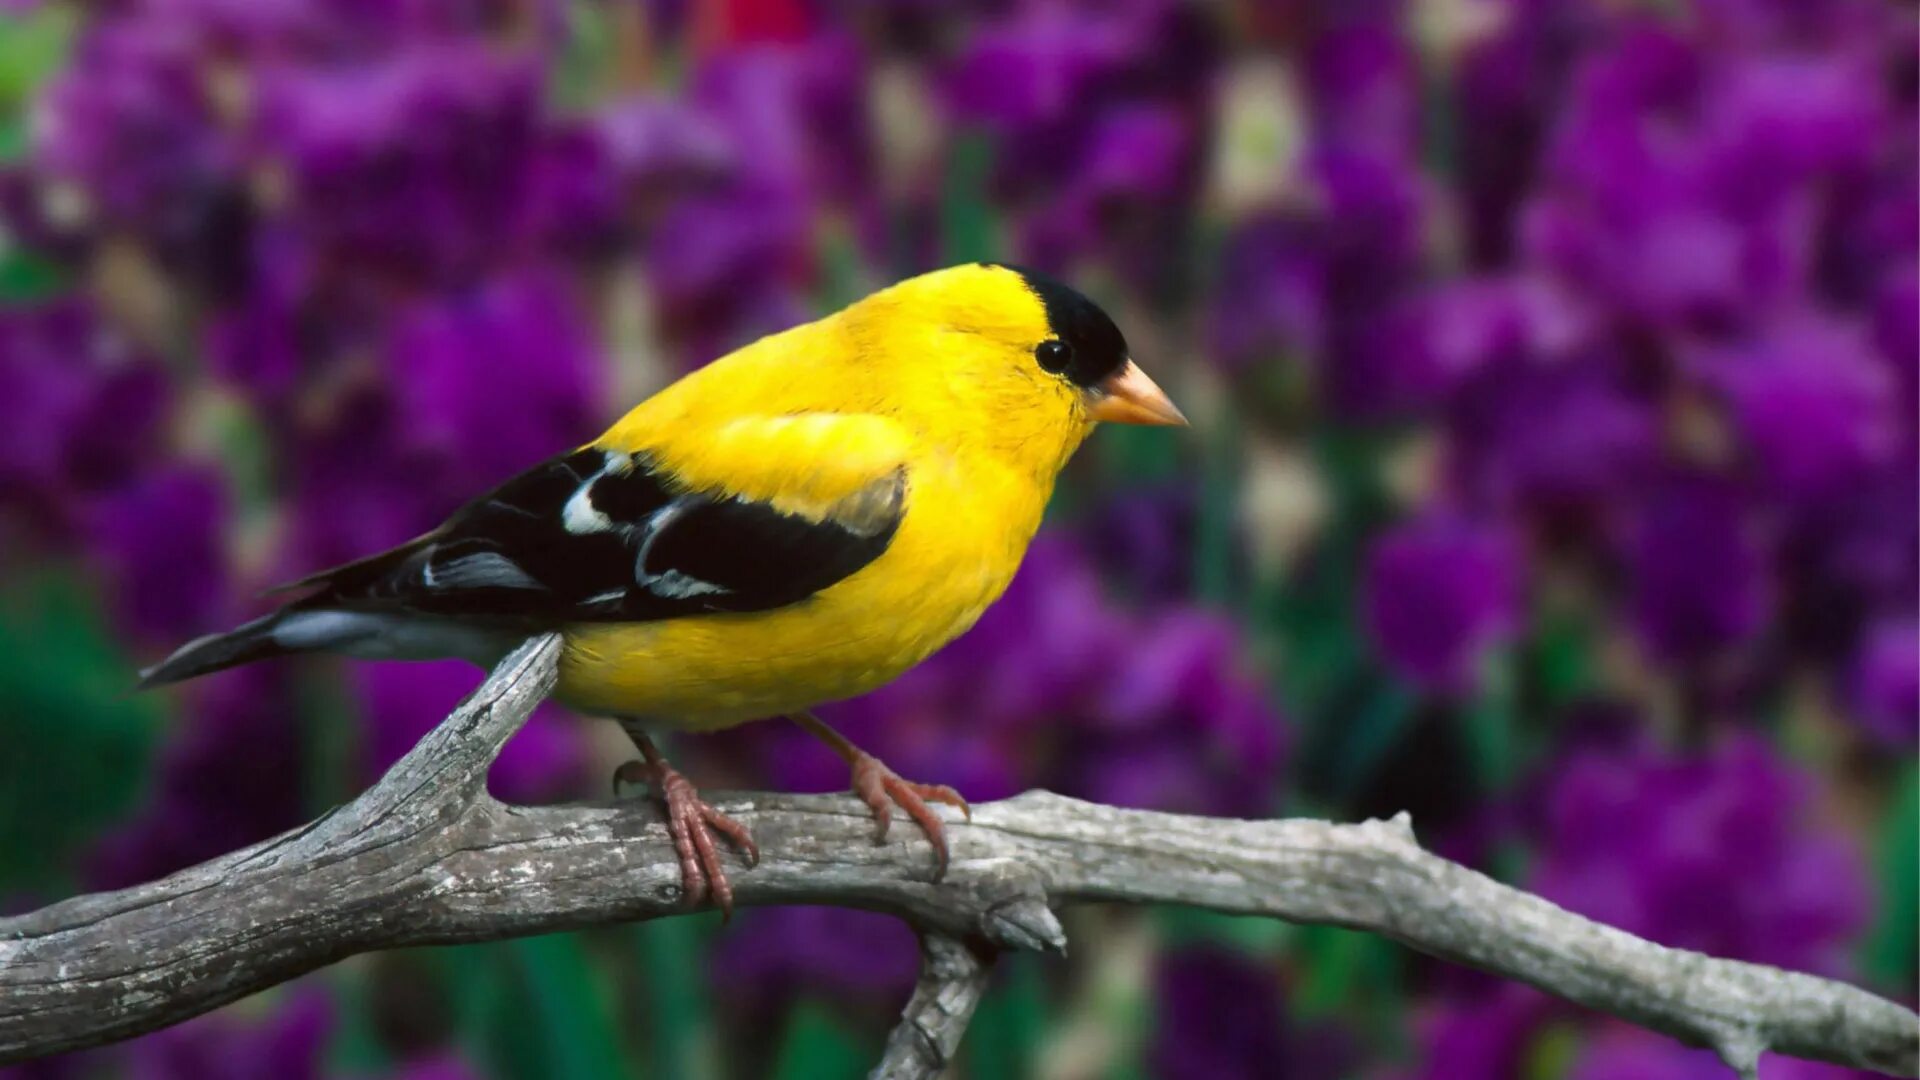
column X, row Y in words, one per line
column 484, row 570
column 580, row 517
column 671, row 585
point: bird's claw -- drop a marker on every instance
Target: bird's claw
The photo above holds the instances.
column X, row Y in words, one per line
column 691, row 822
column 881, row 789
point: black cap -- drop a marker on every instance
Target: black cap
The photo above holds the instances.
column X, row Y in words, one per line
column 1096, row 348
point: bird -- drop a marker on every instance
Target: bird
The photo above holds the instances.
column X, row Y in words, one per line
column 796, row 523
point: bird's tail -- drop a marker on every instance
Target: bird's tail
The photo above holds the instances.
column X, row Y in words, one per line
column 244, row 644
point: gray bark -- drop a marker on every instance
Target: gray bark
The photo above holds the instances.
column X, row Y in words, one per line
column 426, row 856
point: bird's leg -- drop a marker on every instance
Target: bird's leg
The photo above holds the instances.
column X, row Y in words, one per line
column 881, row 788
column 691, row 823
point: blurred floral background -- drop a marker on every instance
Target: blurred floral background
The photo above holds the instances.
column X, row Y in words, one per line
column 1553, row 477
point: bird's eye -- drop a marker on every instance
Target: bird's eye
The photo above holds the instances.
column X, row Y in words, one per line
column 1054, row 355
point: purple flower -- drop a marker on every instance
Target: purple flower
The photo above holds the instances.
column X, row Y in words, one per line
column 415, row 169
column 131, row 126
column 1271, row 293
column 495, row 378
column 1440, row 594
column 1437, row 341
column 1145, row 540
column 288, row 1044
column 1814, row 403
column 1125, row 195
column 798, row 111
column 1884, row 684
column 81, row 411
column 1698, row 567
column 1618, row 1050
column 1553, row 440
column 1038, row 68
column 1487, row 1035
column 160, row 546
column 447, row 1066
column 1364, row 81
column 484, row 382
column 1218, row 1014
column 777, row 951
column 1667, row 847
column 544, row 762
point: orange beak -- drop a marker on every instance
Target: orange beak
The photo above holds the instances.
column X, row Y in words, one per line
column 1129, row 397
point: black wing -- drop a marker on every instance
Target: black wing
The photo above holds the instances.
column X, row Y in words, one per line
column 598, row 535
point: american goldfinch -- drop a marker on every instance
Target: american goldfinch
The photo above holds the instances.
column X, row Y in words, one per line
column 798, row 522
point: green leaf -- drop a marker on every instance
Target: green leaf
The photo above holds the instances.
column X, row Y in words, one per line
column 26, row 277
column 32, row 47
column 1891, row 948
column 817, row 1046
column 674, row 1010
column 966, row 213
column 1008, row 1029
column 1357, row 975
column 79, row 741
column 560, row 1023
column 1492, row 739
column 1219, row 510
column 1197, row 926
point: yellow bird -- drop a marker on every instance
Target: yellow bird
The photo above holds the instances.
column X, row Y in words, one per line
column 798, row 522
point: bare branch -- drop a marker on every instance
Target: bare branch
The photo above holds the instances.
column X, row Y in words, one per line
column 427, row 857
column 953, row 979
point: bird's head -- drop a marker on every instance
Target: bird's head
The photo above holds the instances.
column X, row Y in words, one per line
column 1007, row 360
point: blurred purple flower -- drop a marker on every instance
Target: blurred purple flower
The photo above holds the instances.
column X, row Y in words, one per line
column 778, row 951
column 1363, row 78
column 1667, row 847
column 544, row 762
column 131, row 126
column 485, row 382
column 1219, row 1015
column 1128, row 189
column 81, row 411
column 447, row 1066
column 1629, row 211
column 1553, row 440
column 160, row 547
column 1145, row 539
column 1812, row 400
column 723, row 232
column 229, row 777
column 288, row 1044
column 1490, row 1034
column 1270, row 296
column 1884, row 683
column 798, row 111
column 496, row 378
column 1699, row 572
column 1618, row 1050
column 1896, row 331
column 1036, row 68
column 1436, row 341
column 1440, row 593
column 417, row 169
column 356, row 486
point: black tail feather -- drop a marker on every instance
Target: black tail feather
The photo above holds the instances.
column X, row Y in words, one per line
column 215, row 652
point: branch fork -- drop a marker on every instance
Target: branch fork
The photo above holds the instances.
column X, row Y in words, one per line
column 426, row 856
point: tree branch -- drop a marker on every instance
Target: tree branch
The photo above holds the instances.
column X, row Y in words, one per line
column 426, row 856
column 953, row 979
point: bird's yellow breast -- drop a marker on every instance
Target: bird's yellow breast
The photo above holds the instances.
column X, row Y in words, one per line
column 958, row 544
